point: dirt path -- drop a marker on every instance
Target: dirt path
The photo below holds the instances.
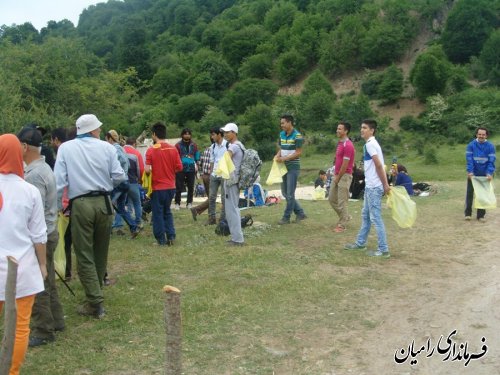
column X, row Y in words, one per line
column 453, row 285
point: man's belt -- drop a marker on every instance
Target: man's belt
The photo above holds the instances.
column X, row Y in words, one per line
column 96, row 193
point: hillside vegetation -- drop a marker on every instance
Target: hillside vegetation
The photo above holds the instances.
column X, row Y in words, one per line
column 202, row 63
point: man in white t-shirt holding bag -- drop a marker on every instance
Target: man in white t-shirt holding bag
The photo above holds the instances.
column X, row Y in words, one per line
column 376, row 186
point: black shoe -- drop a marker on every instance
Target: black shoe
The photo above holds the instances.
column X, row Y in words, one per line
column 94, row 311
column 38, row 341
column 194, row 213
column 170, row 243
column 135, row 233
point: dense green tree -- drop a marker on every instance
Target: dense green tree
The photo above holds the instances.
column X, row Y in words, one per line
column 242, row 43
column 304, row 36
column 490, row 57
column 468, row 26
column 169, row 80
column 290, row 65
column 191, row 107
column 341, row 48
column 316, row 109
column 429, row 74
column 256, row 66
column 213, row 117
column 382, row 44
column 250, row 92
column 281, row 14
column 261, row 121
column 64, row 28
column 133, row 51
column 317, row 82
column 18, row 34
column 391, row 87
column 215, row 70
column 353, row 109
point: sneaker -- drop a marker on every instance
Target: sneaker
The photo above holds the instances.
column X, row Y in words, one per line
column 467, row 218
column 299, row 218
column 194, row 213
column 135, row 233
column 39, row 341
column 177, row 207
column 378, row 253
column 354, row 246
column 189, row 206
column 284, row 221
column 339, row 229
column 120, row 232
column 482, row 220
column 94, row 311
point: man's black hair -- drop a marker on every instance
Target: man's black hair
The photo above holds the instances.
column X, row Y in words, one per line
column 160, row 130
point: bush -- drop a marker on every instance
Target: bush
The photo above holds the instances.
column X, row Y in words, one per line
column 371, row 83
column 290, row 65
column 323, row 144
column 430, row 156
column 266, row 150
column 410, row 123
column 391, row 87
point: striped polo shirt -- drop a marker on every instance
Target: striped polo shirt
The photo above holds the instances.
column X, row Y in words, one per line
column 288, row 145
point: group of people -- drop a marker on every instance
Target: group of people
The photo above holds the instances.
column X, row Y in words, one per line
column 91, row 177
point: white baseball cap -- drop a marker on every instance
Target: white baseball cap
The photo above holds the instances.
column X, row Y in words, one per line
column 87, row 123
column 230, row 127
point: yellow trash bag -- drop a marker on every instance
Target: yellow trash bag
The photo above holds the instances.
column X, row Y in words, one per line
column 278, row 170
column 319, row 194
column 60, row 253
column 404, row 210
column 484, row 196
column 225, row 167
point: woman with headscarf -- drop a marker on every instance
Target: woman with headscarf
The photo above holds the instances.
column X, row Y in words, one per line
column 24, row 233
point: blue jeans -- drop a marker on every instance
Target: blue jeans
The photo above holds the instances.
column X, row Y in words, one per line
column 288, row 187
column 133, row 202
column 163, row 220
column 119, row 199
column 372, row 214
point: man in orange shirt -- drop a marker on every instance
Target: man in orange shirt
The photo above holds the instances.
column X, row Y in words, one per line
column 163, row 161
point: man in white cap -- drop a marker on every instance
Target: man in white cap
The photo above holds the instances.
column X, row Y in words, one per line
column 231, row 188
column 89, row 168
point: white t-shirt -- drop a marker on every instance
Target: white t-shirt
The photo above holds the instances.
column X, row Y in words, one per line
column 22, row 223
column 370, row 149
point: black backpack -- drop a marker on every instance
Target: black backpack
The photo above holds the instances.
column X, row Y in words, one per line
column 222, row 229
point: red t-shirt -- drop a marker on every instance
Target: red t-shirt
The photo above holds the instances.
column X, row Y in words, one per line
column 345, row 150
column 165, row 162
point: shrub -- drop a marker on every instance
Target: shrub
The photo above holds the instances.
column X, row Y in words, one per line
column 410, row 123
column 430, row 156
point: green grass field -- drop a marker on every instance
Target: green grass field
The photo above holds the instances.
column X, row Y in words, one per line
column 249, row 310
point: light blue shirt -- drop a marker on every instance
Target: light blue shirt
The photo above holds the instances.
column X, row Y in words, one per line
column 85, row 165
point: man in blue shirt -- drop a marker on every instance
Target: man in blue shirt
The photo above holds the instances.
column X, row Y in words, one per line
column 480, row 156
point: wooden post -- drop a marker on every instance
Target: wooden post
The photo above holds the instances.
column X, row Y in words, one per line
column 10, row 317
column 173, row 328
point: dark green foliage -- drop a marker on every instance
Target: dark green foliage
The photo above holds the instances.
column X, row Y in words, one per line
column 391, row 87
column 290, row 65
column 353, row 109
column 263, row 125
column 266, row 150
column 18, row 34
column 256, row 66
column 250, row 92
column 430, row 156
column 371, row 83
column 317, row 82
column 213, row 118
column 468, row 26
column 169, row 80
column 410, row 123
column 217, row 74
column 191, row 107
column 490, row 58
column 382, row 44
column 316, row 109
column 430, row 73
column 281, row 14
column 324, row 144
column 237, row 45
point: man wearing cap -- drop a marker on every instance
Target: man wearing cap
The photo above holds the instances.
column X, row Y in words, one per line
column 231, row 188
column 90, row 169
column 47, row 315
column 46, row 151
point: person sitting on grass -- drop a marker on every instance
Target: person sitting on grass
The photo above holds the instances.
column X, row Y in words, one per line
column 401, row 177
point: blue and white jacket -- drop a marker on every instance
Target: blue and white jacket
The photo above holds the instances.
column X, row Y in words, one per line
column 480, row 158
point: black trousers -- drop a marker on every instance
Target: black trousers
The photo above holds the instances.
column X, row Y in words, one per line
column 188, row 179
column 469, row 197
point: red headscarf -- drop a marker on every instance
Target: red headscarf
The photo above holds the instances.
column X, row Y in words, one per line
column 11, row 157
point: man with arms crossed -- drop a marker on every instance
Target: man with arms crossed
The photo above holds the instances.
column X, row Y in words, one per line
column 376, row 186
column 339, row 189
